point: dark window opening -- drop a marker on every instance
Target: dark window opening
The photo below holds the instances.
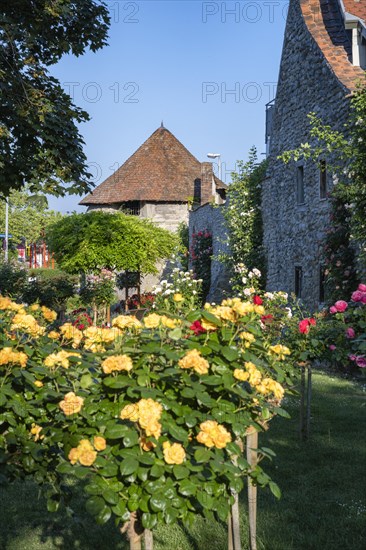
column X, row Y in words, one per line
column 323, row 180
column 322, row 284
column 197, row 192
column 300, row 194
column 131, row 207
column 298, row 281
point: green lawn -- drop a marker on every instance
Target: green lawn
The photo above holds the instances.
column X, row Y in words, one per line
column 323, row 482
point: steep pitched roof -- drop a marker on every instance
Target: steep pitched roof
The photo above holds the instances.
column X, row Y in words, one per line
column 356, row 7
column 324, row 21
column 162, row 169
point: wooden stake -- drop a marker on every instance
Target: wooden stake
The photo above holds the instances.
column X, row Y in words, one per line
column 302, row 403
column 134, row 532
column 148, row 539
column 252, row 458
column 308, row 402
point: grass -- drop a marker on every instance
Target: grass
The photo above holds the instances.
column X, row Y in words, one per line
column 323, row 504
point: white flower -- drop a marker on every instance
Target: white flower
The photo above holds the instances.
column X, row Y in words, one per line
column 289, row 312
column 157, row 290
column 250, row 274
column 194, row 292
column 244, row 280
column 256, row 272
column 167, row 292
column 164, row 282
column 247, row 292
column 269, row 295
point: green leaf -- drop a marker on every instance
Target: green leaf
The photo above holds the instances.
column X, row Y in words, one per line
column 95, row 505
column 171, row 515
column 211, row 318
column 110, row 496
column 131, row 439
column 143, row 379
column 202, row 455
column 109, row 470
column 175, row 334
column 65, row 468
column 178, row 433
column 158, row 502
column 116, row 431
column 86, row 381
column 157, row 471
column 103, row 516
column 230, row 353
column 275, row 489
column 128, row 466
column 187, row 488
column 180, row 472
column 149, row 520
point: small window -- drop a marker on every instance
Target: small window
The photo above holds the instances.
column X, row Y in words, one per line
column 300, row 196
column 131, row 207
column 322, row 285
column 197, row 192
column 323, row 190
column 298, row 281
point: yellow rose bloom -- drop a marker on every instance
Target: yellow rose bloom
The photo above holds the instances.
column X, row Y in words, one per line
column 34, row 307
column 225, row 313
column 48, row 314
column 280, row 351
column 152, row 429
column 248, row 336
column 193, row 360
column 73, row 455
column 87, row 457
column 173, row 454
column 213, row 434
column 54, row 335
column 36, row 431
column 207, row 325
column 69, row 332
column 259, row 310
column 241, row 375
column 117, row 363
column 27, row 323
column 60, row 359
column 71, row 404
column 243, row 308
column 38, row 384
column 269, row 386
column 178, row 297
column 152, row 320
column 7, row 303
column 8, row 355
column 130, row 412
column 126, row 321
column 168, row 322
column 85, row 445
column 99, row 443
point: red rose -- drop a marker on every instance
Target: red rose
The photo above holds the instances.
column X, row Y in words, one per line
column 257, row 300
column 267, row 319
column 304, row 326
column 197, row 328
column 312, row 321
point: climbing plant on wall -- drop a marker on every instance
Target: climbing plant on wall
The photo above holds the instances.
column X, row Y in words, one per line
column 243, row 215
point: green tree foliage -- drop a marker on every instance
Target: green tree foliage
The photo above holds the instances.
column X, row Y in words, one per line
column 89, row 242
column 28, row 216
column 243, row 215
column 39, row 139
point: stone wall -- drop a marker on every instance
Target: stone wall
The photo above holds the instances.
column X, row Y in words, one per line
column 211, row 218
column 294, row 234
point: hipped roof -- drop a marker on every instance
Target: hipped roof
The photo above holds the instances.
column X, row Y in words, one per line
column 161, row 170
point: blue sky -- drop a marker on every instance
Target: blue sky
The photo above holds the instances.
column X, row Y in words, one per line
column 206, row 69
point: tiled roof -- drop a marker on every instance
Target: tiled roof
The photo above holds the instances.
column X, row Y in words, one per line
column 161, row 170
column 356, row 7
column 325, row 23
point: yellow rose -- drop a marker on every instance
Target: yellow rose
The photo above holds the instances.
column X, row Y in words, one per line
column 240, row 374
column 206, row 439
column 130, row 412
column 8, row 355
column 53, row 334
column 225, row 313
column 173, row 454
column 221, row 437
column 117, row 363
column 69, row 332
column 178, row 297
column 73, row 455
column 36, row 431
column 99, row 443
column 152, row 320
column 28, row 324
column 34, row 307
column 38, row 384
column 48, row 314
column 87, row 457
column 243, row 308
column 193, row 360
column 207, row 325
column 279, row 350
column 71, row 404
column 259, row 310
column 213, row 435
column 168, row 322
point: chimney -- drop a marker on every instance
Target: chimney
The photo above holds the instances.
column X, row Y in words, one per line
column 207, row 183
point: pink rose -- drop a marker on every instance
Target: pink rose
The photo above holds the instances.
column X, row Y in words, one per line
column 332, row 347
column 362, row 287
column 333, row 309
column 363, row 298
column 341, row 306
column 361, row 362
column 352, row 357
column 357, row 296
column 350, row 333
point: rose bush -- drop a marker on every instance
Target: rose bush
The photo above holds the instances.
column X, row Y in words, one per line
column 150, row 415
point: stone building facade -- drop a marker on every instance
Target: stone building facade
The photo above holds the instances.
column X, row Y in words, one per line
column 323, row 57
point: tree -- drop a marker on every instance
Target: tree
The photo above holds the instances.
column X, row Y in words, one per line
column 28, row 216
column 39, row 139
column 89, row 242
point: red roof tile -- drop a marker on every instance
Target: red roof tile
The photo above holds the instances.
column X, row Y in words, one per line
column 161, row 170
column 356, row 7
column 325, row 23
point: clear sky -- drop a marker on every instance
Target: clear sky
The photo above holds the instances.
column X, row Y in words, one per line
column 206, row 69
